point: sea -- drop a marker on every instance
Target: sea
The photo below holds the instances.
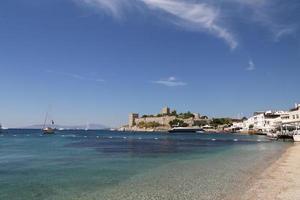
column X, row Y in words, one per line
column 110, row 165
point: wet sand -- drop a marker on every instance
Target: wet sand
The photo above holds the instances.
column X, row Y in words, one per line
column 280, row 181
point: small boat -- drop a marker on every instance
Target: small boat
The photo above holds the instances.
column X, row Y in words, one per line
column 48, row 129
column 272, row 135
column 87, row 127
column 296, row 136
column 202, row 131
column 185, row 130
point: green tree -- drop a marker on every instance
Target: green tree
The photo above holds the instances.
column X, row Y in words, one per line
column 201, row 123
column 174, row 113
column 148, row 124
column 220, row 121
column 186, row 115
column 178, row 123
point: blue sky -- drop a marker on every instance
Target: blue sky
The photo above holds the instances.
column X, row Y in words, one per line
column 97, row 60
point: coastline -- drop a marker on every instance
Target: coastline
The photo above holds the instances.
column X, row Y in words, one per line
column 280, row 180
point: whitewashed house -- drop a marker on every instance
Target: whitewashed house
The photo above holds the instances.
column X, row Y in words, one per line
column 264, row 122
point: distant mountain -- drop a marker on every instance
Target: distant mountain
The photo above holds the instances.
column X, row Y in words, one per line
column 90, row 126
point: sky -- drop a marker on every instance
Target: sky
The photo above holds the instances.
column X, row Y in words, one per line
column 95, row 61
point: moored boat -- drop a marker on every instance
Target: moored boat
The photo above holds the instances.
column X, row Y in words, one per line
column 272, row 135
column 185, row 130
column 296, row 136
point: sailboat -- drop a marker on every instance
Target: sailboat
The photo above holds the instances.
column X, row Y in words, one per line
column 87, row 127
column 0, row 128
column 48, row 130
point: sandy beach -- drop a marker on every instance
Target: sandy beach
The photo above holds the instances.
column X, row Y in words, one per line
column 280, row 181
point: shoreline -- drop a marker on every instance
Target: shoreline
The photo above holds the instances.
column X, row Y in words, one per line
column 278, row 181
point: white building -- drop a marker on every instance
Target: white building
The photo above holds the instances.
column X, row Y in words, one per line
column 237, row 125
column 292, row 116
column 264, row 121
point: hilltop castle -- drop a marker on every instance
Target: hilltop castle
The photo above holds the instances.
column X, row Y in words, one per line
column 163, row 121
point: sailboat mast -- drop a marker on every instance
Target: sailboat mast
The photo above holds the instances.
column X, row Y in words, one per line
column 46, row 117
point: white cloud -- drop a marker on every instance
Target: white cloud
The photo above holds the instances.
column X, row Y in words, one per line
column 214, row 17
column 251, row 65
column 197, row 16
column 269, row 14
column 113, row 7
column 187, row 14
column 170, row 82
column 283, row 32
column 76, row 76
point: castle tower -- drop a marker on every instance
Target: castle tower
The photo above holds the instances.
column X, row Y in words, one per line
column 165, row 111
column 131, row 119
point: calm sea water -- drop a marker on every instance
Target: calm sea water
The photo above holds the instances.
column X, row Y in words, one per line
column 102, row 165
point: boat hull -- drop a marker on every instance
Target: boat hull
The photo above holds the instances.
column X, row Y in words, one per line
column 185, row 130
column 48, row 131
column 272, row 135
column 296, row 138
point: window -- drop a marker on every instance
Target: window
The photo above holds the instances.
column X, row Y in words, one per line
column 297, row 116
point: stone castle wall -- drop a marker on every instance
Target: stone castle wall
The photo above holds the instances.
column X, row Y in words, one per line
column 163, row 120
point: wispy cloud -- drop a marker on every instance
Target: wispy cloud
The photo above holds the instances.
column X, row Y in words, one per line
column 251, row 65
column 214, row 17
column 112, row 7
column 76, row 76
column 187, row 14
column 170, row 82
column 283, row 32
column 269, row 14
column 196, row 16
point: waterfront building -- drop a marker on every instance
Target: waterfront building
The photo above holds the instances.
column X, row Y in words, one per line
column 264, row 122
column 292, row 116
column 238, row 125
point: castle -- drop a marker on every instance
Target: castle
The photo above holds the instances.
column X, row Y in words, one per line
column 164, row 120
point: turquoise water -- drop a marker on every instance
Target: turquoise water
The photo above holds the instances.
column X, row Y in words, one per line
column 117, row 165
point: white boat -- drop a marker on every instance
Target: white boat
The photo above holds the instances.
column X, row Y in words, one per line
column 202, row 131
column 185, row 129
column 48, row 130
column 272, row 135
column 296, row 136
